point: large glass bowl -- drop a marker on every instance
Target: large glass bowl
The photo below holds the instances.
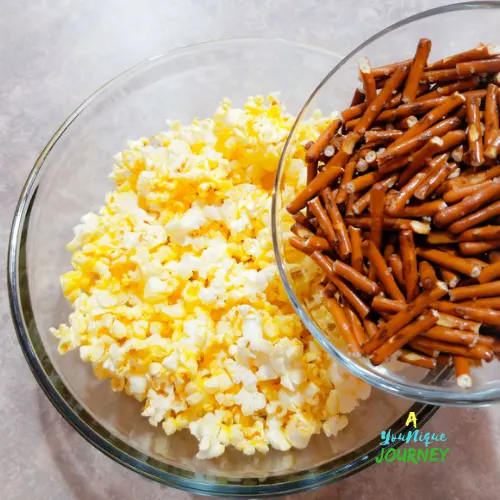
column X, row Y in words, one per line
column 452, row 29
column 71, row 178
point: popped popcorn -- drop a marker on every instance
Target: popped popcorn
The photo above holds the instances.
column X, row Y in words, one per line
column 176, row 295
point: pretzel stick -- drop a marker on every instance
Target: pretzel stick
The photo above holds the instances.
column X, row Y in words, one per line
column 301, row 219
column 491, row 121
column 310, row 239
column 467, row 205
column 452, row 139
column 401, row 338
column 344, row 327
column 428, row 209
column 419, row 158
column 407, row 192
column 490, row 289
column 445, row 360
column 494, row 257
column 432, row 117
column 451, row 335
column 479, row 313
column 403, row 111
column 390, row 223
column 441, row 75
column 370, row 328
column 384, row 274
column 324, row 221
column 417, row 359
column 418, row 140
column 300, row 244
column 377, row 199
column 481, row 52
column 346, row 177
column 476, row 218
column 409, row 259
column 363, row 201
column 466, row 69
column 477, row 247
column 406, row 123
column 474, row 132
column 382, row 304
column 358, row 97
column 351, row 199
column 402, row 318
column 416, row 70
column 396, row 265
column 428, row 277
column 433, row 181
column 477, row 352
column 388, row 69
column 378, row 103
column 460, row 86
column 450, row 278
column 441, row 238
column 481, row 234
column 462, row 372
column 394, row 165
column 325, row 263
column 452, row 262
column 356, row 278
column 491, row 303
column 458, row 194
column 451, row 321
column 363, row 181
column 458, row 153
column 322, row 141
column 344, row 243
column 322, row 180
column 353, row 112
column 368, row 80
column 356, row 326
column 376, row 137
column 357, row 252
column 469, row 179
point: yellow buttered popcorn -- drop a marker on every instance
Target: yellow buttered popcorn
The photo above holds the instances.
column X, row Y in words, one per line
column 176, row 294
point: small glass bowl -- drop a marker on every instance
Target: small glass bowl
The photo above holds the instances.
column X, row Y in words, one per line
column 452, row 29
column 71, row 178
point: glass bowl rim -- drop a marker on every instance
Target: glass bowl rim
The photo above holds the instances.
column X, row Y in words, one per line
column 401, row 389
column 80, row 419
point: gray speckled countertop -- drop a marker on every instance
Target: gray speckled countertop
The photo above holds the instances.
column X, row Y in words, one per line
column 53, row 54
